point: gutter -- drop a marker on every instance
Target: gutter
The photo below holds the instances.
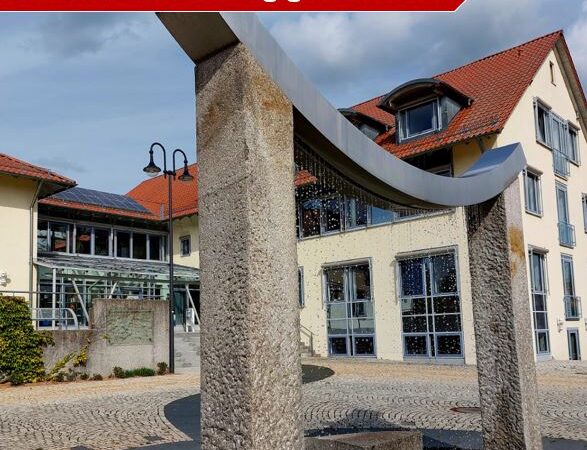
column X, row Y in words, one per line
column 32, row 240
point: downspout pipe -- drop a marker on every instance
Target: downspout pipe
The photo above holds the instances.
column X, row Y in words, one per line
column 32, row 240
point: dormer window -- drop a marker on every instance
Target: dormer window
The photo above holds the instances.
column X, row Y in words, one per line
column 423, row 106
column 420, row 119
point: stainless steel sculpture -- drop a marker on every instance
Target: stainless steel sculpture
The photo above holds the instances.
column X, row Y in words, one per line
column 331, row 135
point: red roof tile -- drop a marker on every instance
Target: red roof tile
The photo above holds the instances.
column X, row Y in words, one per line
column 152, row 194
column 495, row 83
column 13, row 166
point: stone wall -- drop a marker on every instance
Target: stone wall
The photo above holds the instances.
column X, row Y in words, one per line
column 124, row 333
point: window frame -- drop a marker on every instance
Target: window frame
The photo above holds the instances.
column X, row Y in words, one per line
column 528, row 174
column 403, row 131
column 573, row 148
column 543, row 254
column 187, row 238
column 301, row 290
column 429, row 296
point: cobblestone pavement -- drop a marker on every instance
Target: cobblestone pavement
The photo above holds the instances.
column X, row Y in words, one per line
column 118, row 414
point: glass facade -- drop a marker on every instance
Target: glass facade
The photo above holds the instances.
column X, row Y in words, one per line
column 99, row 240
column 430, row 307
column 349, row 310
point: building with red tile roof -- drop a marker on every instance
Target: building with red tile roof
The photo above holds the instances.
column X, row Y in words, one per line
column 52, row 182
column 495, row 84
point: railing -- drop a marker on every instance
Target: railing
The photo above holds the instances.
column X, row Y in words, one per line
column 572, row 307
column 561, row 164
column 55, row 318
column 309, row 336
column 566, row 234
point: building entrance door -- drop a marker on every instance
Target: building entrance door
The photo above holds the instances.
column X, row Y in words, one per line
column 574, row 346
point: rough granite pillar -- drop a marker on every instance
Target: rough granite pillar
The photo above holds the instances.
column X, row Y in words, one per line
column 503, row 324
column 251, row 373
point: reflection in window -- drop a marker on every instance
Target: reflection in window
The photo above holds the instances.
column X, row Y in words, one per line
column 356, row 213
column 43, row 236
column 139, row 246
column 539, row 293
column 123, row 244
column 155, row 247
column 101, row 242
column 310, row 220
column 418, row 120
column 349, row 310
column 185, row 246
column 331, row 217
column 83, row 240
column 430, row 306
column 59, row 236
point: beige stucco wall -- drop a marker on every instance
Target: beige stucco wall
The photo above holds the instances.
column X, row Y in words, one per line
column 381, row 245
column 542, row 231
column 16, row 195
column 187, row 226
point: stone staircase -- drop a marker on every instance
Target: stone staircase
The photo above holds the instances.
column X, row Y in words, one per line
column 187, row 350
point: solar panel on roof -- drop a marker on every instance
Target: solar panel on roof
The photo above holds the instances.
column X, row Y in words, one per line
column 92, row 197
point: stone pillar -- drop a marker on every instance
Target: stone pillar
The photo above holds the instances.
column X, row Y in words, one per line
column 251, row 372
column 503, row 324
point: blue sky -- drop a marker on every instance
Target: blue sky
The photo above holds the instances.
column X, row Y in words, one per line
column 86, row 94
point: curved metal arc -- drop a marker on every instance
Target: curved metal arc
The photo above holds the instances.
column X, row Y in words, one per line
column 334, row 137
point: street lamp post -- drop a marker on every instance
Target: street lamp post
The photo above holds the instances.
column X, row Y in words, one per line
column 153, row 170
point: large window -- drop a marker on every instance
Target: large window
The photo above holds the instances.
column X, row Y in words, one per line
column 54, row 237
column 431, row 307
column 419, row 120
column 559, row 135
column 301, row 294
column 566, row 231
column 349, row 310
column 533, row 192
column 139, row 246
column 572, row 302
column 83, row 240
column 101, row 241
column 539, row 295
column 87, row 239
column 123, row 244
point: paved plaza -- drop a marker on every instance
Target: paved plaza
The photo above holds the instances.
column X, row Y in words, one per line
column 122, row 414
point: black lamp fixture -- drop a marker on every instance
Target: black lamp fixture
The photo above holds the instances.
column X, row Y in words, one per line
column 153, row 170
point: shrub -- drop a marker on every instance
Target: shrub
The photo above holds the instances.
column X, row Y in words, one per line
column 21, row 347
column 59, row 377
column 118, row 372
column 97, row 377
column 84, row 376
column 140, row 372
column 161, row 368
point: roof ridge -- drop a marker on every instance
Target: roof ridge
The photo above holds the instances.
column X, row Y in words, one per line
column 492, row 55
column 40, row 168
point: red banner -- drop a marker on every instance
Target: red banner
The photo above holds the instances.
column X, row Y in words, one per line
column 230, row 5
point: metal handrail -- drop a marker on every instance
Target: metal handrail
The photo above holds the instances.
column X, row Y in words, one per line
column 566, row 234
column 306, row 332
column 561, row 163
column 55, row 315
column 572, row 307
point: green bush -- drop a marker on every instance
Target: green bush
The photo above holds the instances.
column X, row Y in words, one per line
column 21, row 347
column 161, row 368
column 118, row 372
column 97, row 377
column 140, row 372
column 84, row 376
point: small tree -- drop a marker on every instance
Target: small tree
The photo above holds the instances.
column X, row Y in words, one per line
column 21, row 346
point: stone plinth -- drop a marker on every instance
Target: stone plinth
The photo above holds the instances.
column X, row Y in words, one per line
column 503, row 324
column 383, row 440
column 251, row 371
